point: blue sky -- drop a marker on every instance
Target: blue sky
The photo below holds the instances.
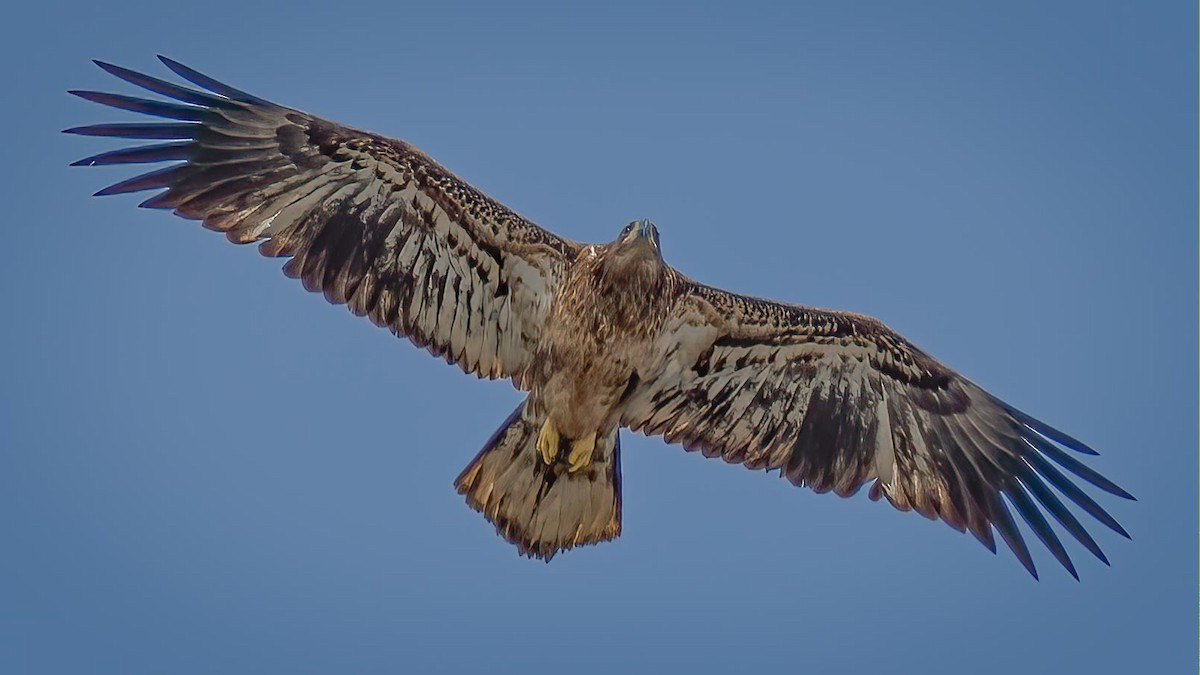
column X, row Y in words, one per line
column 204, row 469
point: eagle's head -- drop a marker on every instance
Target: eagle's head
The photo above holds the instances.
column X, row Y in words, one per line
column 634, row 256
column 637, row 242
column 639, row 232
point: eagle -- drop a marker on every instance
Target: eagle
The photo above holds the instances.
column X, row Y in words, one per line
column 601, row 337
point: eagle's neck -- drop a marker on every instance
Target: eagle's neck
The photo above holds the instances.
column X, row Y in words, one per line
column 631, row 284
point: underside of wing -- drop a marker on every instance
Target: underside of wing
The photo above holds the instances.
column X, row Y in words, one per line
column 834, row 400
column 367, row 220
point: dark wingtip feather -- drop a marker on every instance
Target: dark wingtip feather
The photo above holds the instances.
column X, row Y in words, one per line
column 1065, row 561
column 151, row 180
column 1074, row 493
column 984, row 537
column 159, row 201
column 1003, row 522
column 1056, row 508
column 162, row 86
column 144, row 154
column 152, row 130
column 201, row 80
column 1048, row 431
column 1057, row 436
column 142, row 105
column 1083, row 471
column 1037, row 522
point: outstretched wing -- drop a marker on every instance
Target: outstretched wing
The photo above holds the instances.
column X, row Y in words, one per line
column 834, row 400
column 367, row 220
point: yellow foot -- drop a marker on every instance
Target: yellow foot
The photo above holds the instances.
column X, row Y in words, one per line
column 547, row 442
column 581, row 452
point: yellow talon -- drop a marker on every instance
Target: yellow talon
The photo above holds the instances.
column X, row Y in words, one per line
column 581, row 452
column 547, row 442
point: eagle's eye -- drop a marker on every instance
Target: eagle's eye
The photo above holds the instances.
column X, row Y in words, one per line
column 627, row 230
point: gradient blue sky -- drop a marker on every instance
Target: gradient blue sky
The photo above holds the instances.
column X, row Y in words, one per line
column 205, row 469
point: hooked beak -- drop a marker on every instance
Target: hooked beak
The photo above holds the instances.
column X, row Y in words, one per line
column 643, row 230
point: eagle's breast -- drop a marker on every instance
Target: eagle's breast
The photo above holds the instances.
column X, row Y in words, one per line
column 602, row 325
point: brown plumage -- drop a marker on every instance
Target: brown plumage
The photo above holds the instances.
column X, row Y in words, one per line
column 601, row 336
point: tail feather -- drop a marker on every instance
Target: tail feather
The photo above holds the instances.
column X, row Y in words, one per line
column 543, row 509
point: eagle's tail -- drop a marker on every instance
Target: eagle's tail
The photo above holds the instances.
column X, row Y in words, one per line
column 541, row 508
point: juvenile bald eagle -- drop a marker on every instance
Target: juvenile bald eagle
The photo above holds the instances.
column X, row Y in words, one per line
column 601, row 336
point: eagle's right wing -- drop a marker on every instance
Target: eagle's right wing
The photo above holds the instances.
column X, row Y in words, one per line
column 370, row 221
column 835, row 400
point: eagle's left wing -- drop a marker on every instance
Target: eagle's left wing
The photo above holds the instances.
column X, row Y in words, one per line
column 834, row 400
column 369, row 221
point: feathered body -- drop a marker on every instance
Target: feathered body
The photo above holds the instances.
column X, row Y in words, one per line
column 601, row 329
column 601, row 336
